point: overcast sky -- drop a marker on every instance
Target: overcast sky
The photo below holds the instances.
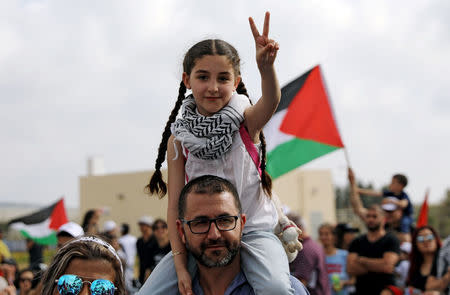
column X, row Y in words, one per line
column 82, row 78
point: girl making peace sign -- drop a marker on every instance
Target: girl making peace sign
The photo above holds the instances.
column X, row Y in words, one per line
column 220, row 133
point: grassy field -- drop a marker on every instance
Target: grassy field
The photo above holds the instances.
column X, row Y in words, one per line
column 23, row 259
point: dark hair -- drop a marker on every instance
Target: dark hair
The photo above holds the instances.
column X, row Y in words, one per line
column 339, row 233
column 86, row 250
column 19, row 274
column 207, row 184
column 157, row 222
column 376, row 207
column 416, row 258
column 401, row 179
column 203, row 48
column 87, row 218
column 64, row 234
column 125, row 229
column 297, row 219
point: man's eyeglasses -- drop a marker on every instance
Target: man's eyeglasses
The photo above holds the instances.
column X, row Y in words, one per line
column 421, row 239
column 72, row 285
column 202, row 225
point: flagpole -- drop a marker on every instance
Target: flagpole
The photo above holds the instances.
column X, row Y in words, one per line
column 347, row 158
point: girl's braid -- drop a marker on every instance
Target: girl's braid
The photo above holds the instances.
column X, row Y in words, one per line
column 266, row 181
column 157, row 184
column 242, row 90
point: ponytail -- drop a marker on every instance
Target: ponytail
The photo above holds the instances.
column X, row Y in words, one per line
column 266, row 180
column 157, row 184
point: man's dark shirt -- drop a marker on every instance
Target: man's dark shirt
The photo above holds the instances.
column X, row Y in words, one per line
column 36, row 257
column 372, row 282
column 157, row 253
column 145, row 254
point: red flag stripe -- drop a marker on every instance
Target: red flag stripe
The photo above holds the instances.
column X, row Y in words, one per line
column 422, row 219
column 309, row 115
column 59, row 216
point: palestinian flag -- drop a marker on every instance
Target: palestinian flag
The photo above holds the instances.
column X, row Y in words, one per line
column 41, row 226
column 303, row 126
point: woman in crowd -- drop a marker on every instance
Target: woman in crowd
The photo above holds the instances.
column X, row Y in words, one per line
column 90, row 222
column 425, row 248
column 85, row 263
column 162, row 245
column 24, row 282
column 335, row 261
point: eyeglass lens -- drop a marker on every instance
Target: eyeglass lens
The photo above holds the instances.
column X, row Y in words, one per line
column 72, row 285
column 203, row 225
column 422, row 239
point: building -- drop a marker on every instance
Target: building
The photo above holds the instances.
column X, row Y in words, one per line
column 123, row 199
column 309, row 193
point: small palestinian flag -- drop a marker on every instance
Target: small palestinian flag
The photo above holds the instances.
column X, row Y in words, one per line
column 303, row 126
column 422, row 219
column 41, row 226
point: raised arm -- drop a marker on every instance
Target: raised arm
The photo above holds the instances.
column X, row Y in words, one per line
column 259, row 114
column 176, row 178
column 370, row 192
column 355, row 199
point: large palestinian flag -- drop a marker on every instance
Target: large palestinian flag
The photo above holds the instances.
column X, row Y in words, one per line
column 41, row 226
column 303, row 126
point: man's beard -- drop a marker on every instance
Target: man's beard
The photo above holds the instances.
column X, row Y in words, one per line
column 232, row 249
column 374, row 227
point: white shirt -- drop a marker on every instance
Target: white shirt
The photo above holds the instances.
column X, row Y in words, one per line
column 128, row 243
column 238, row 167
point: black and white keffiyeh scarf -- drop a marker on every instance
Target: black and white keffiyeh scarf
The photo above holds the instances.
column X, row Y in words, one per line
column 210, row 137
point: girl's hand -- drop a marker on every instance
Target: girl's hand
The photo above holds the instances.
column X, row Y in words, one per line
column 184, row 283
column 266, row 49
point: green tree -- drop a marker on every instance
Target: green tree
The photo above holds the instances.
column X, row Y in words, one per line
column 439, row 215
column 343, row 196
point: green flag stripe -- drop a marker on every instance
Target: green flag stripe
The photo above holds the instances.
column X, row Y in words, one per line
column 47, row 240
column 293, row 153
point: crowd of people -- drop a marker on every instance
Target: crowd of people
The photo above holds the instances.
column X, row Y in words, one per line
column 393, row 257
column 148, row 249
column 340, row 262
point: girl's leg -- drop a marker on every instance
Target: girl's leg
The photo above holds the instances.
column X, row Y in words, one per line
column 265, row 263
column 163, row 280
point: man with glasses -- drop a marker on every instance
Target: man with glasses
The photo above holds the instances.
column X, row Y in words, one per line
column 210, row 224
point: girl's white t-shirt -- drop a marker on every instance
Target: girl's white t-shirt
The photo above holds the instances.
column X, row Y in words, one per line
column 238, row 167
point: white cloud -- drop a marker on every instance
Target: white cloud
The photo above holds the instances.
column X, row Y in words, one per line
column 101, row 77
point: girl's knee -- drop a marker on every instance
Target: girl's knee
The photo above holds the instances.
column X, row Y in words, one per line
column 278, row 286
